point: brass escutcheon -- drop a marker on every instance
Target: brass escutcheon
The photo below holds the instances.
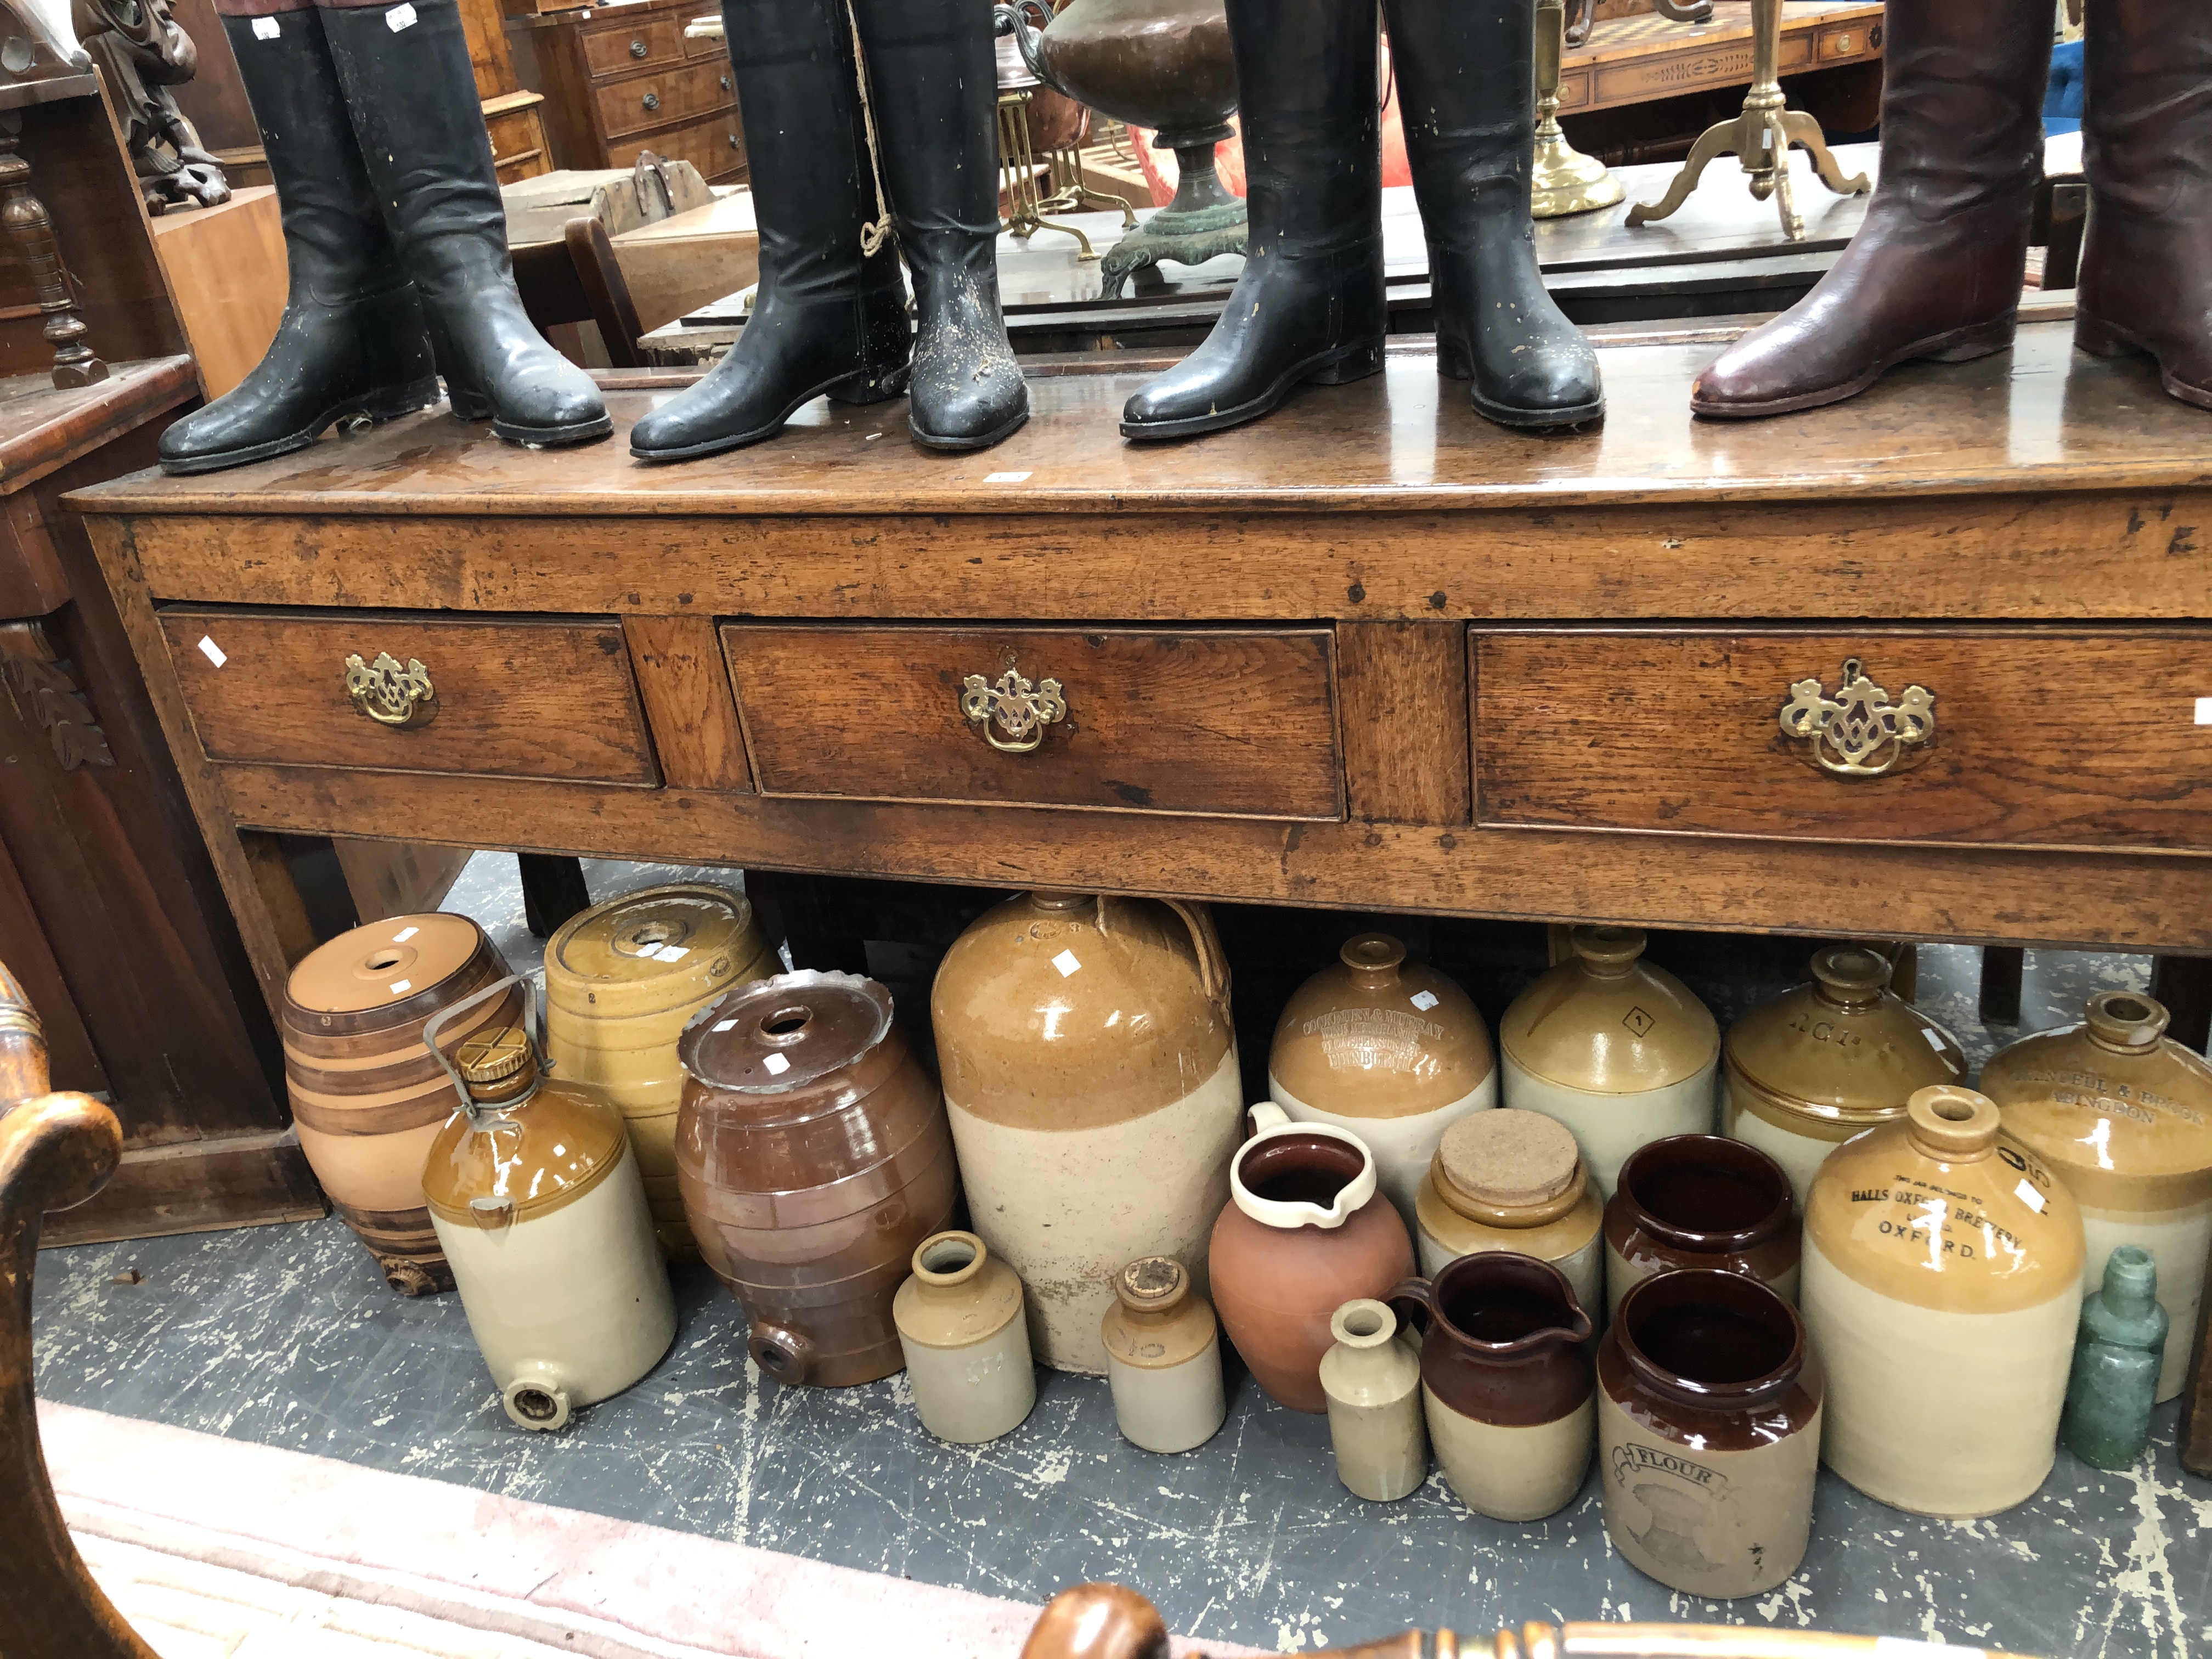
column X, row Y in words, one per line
column 1858, row 732
column 389, row 693
column 1014, row 705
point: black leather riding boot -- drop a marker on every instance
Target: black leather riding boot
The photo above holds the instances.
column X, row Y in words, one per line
column 826, row 318
column 1309, row 305
column 413, row 101
column 1467, row 83
column 351, row 344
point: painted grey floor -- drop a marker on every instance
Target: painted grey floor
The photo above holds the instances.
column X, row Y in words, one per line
column 287, row 1336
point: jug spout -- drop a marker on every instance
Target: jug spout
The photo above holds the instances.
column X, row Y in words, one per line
column 1292, row 1174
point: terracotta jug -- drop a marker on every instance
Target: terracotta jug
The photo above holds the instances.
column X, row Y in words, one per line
column 1089, row 1070
column 1506, row 1382
column 813, row 1156
column 1390, row 1049
column 1613, row 1047
column 1373, row 1382
column 1305, row 1231
column 2125, row 1115
column 536, row 1196
column 1700, row 1201
column 966, row 1344
column 1942, row 1258
column 1804, row 1074
column 1163, row 1357
column 1709, row 1433
column 1515, row 1181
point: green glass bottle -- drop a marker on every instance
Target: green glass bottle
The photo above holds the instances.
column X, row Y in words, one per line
column 2116, row 1361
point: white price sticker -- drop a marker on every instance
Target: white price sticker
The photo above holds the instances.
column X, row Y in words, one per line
column 668, row 952
column 1935, row 1038
column 2204, row 711
column 2026, row 1193
column 405, row 935
column 212, row 652
column 264, row 29
column 726, row 1024
column 401, row 17
column 400, row 985
column 1065, row 962
column 1424, row 1000
column 777, row 1064
column 1005, row 477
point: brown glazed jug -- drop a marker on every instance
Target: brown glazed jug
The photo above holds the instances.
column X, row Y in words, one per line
column 1700, row 1201
column 813, row 1157
column 1305, row 1231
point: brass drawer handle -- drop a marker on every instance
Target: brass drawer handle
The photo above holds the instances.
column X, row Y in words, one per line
column 389, row 693
column 1015, row 706
column 638, row 48
column 1847, row 731
column 651, row 100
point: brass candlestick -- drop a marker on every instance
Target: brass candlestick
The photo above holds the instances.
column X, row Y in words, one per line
column 1761, row 137
column 1563, row 180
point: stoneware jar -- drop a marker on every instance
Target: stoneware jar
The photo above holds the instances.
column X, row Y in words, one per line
column 366, row 1099
column 537, row 1199
column 1819, row 1064
column 1375, row 1425
column 2117, row 1354
column 2124, row 1113
column 1305, row 1231
column 1506, row 1383
column 1700, row 1201
column 1709, row 1433
column 813, row 1157
column 1390, row 1049
column 621, row 979
column 1942, row 1264
column 1163, row 1357
column 1514, row 1181
column 1613, row 1047
column 966, row 1344
column 1089, row 1070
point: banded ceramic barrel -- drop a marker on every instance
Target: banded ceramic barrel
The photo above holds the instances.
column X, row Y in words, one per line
column 621, row 980
column 368, row 1099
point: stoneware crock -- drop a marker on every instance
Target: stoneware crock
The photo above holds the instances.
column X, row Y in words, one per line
column 1375, row 1421
column 966, row 1344
column 1700, row 1201
column 1163, row 1357
column 1511, row 1180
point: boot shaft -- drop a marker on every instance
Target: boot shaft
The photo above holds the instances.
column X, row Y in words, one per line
column 1963, row 82
column 1466, row 88
column 1310, row 113
column 933, row 81
column 2147, row 104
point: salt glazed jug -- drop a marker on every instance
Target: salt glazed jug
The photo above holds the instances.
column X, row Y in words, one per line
column 2116, row 1362
column 1163, row 1357
column 1375, row 1421
column 1700, row 1201
column 1511, row 1180
column 966, row 1344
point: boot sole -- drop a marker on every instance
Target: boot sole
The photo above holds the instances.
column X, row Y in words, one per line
column 998, row 434
column 376, row 408
column 2102, row 339
column 1338, row 368
column 1957, row 345
column 553, row 437
column 1512, row 415
column 890, row 386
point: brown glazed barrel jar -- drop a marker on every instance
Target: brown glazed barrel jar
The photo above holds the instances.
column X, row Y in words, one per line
column 1700, row 1201
column 813, row 1157
column 1709, row 1432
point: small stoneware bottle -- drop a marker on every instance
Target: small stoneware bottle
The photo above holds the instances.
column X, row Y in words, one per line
column 2125, row 1113
column 1700, row 1201
column 1709, row 1433
column 2116, row 1360
column 1804, row 1074
column 1613, row 1047
column 1509, row 1180
column 1163, row 1357
column 1942, row 1262
column 1506, row 1383
column 1376, row 1422
column 1390, row 1049
column 1305, row 1231
column 966, row 1343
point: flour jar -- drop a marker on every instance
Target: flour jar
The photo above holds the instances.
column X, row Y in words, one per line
column 1700, row 1201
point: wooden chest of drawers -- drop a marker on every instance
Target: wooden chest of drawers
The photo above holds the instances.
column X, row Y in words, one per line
column 622, row 79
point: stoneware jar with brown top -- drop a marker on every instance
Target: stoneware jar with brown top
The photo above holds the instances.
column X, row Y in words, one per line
column 1163, row 1357
column 1700, row 1201
column 1618, row 1051
column 966, row 1344
column 1505, row 1382
column 813, row 1156
column 1389, row 1049
column 1089, row 1070
column 1943, row 1286
column 1511, row 1180
column 1709, row 1433
column 1306, row 1230
column 367, row 1098
column 536, row 1196
column 1804, row 1074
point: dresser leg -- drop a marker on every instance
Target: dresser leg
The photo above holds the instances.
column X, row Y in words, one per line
column 2002, row 965
column 2183, row 984
column 552, row 891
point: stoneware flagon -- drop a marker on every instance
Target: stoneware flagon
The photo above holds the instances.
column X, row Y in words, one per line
column 1709, row 1433
column 1511, row 1180
column 813, row 1156
column 367, row 1100
column 1306, row 1230
column 1804, row 1072
column 1376, row 1425
column 1389, row 1049
column 2124, row 1114
column 1942, row 1261
column 1089, row 1069
column 2117, row 1354
column 1163, row 1357
column 536, row 1196
column 1700, row 1201
column 966, row 1344
column 620, row 980
column 1506, row 1382
column 1615, row 1048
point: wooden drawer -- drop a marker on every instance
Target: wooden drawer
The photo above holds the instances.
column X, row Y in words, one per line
column 706, row 45
column 518, row 137
column 1848, row 40
column 649, row 42
column 1239, row 722
column 514, row 698
column 2061, row 738
column 652, row 101
column 716, row 146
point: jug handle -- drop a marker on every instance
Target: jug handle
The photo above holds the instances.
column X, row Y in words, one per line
column 1414, row 1301
column 1263, row 1115
column 1212, row 961
column 1009, row 20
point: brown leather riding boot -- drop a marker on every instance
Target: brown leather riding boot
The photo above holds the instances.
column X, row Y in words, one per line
column 2147, row 142
column 1935, row 270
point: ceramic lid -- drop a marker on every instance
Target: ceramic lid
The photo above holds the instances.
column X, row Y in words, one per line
column 1844, row 1047
column 509, row 1163
column 1609, row 1022
column 648, row 951
column 383, row 963
column 1158, row 1320
column 1377, row 1035
column 960, row 1293
column 1508, row 1161
column 780, row 1037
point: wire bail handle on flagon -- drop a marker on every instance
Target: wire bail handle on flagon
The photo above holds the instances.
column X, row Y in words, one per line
column 492, row 1063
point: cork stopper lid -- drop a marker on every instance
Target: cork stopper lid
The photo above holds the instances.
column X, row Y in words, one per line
column 1606, row 951
column 1850, row 973
column 1152, row 1284
column 490, row 1056
column 1952, row 1123
column 2126, row 1021
column 1509, row 1159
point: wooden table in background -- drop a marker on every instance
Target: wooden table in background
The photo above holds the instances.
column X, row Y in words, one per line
column 227, row 274
column 1634, row 60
